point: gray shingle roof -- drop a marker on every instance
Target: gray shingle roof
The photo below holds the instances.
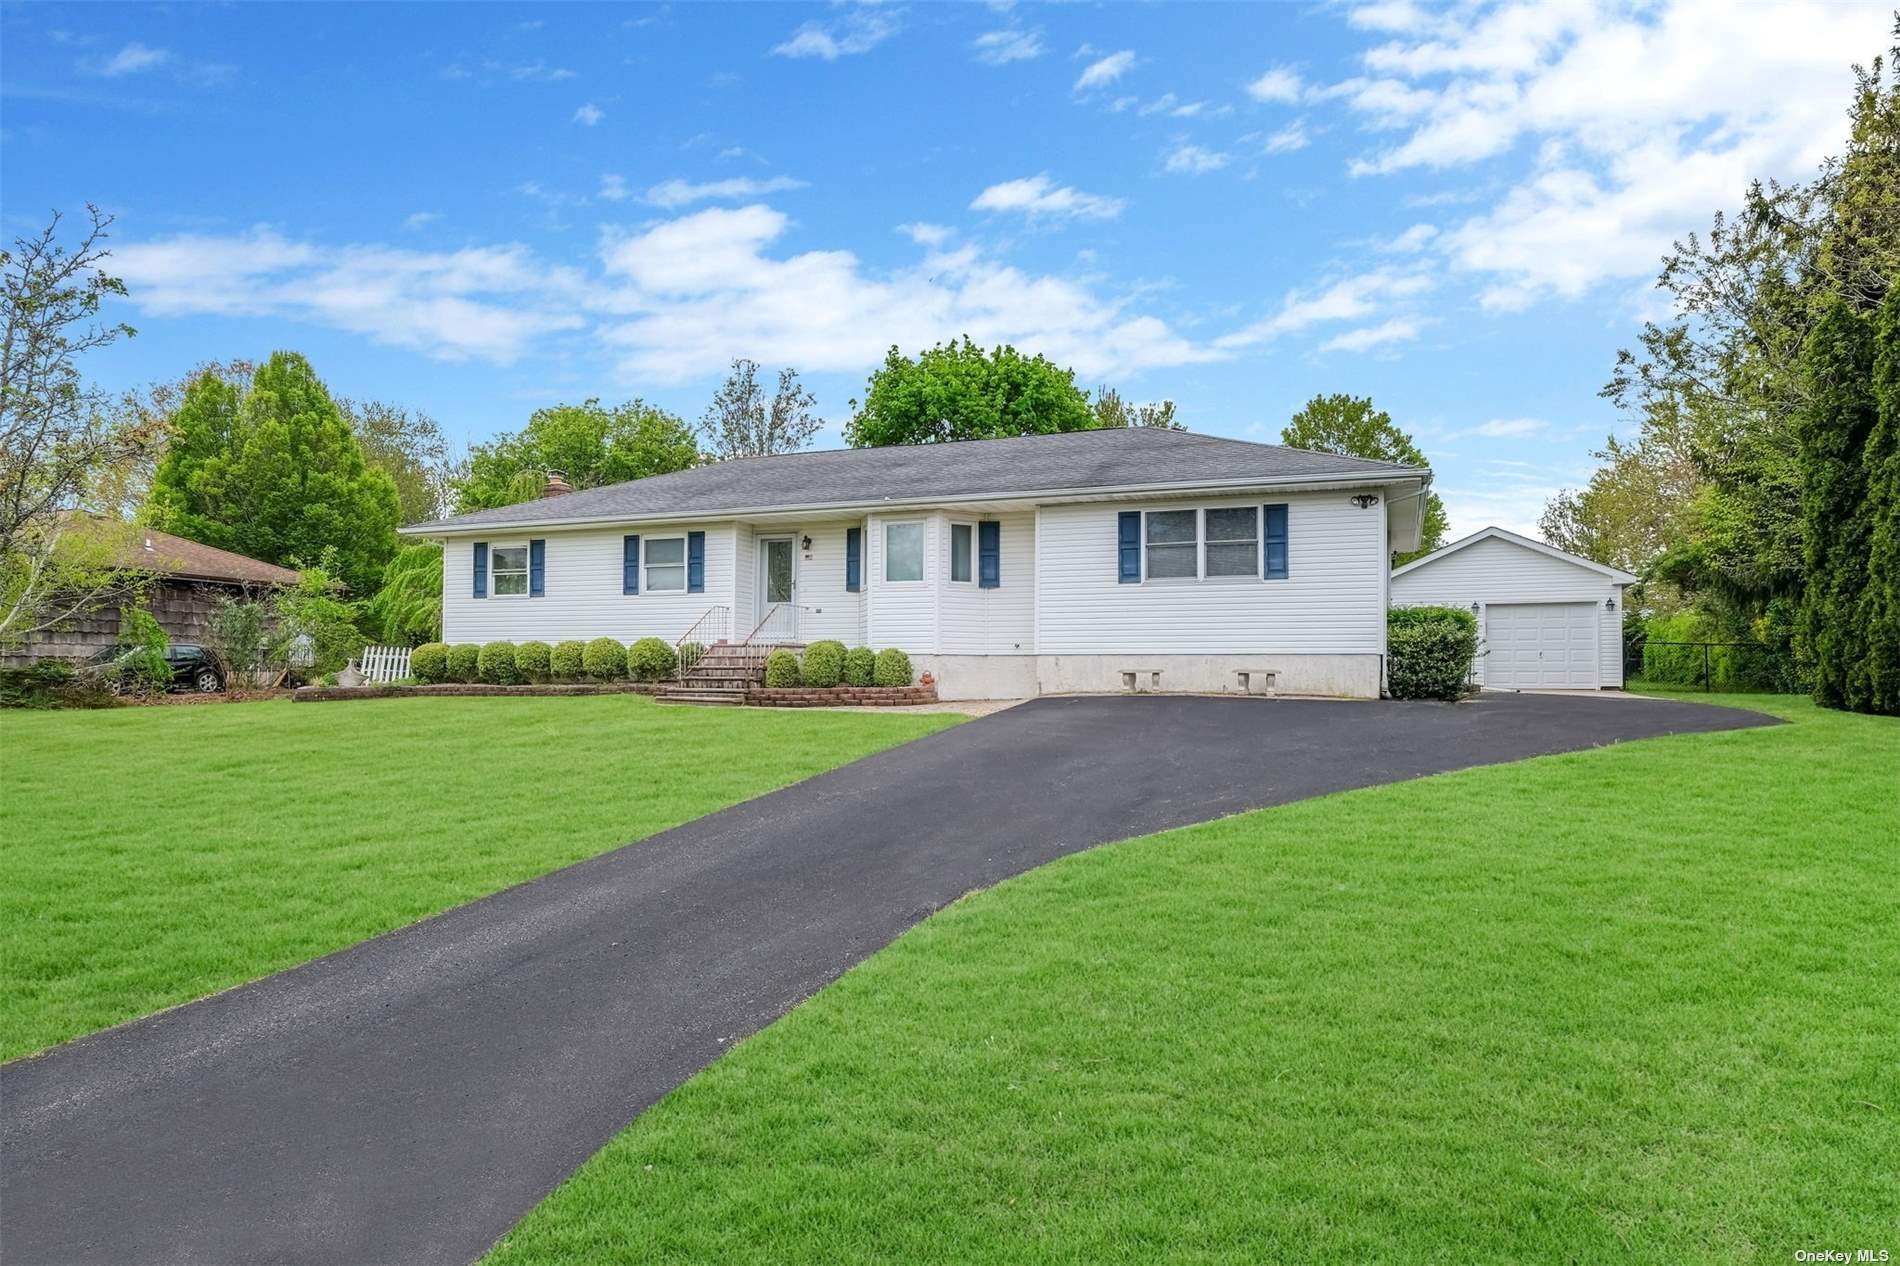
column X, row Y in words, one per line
column 1073, row 462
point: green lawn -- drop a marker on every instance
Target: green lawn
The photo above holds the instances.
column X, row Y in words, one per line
column 1635, row 1004
column 155, row 855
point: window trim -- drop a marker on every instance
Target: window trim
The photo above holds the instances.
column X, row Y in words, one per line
column 646, row 564
column 950, row 567
column 923, row 552
column 1200, row 576
column 526, row 572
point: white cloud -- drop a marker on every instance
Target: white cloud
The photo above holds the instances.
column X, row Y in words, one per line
column 1000, row 48
column 703, row 288
column 671, row 302
column 1645, row 120
column 1397, row 330
column 860, row 31
column 1037, row 196
column 1413, row 240
column 588, row 115
column 1289, row 138
column 420, row 219
column 1349, row 299
column 672, row 194
column 1194, row 160
column 487, row 302
column 133, row 58
column 1277, row 85
column 924, row 234
column 1504, row 428
column 1101, row 73
column 613, row 188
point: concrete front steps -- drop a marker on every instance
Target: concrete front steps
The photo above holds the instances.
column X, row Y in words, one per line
column 723, row 675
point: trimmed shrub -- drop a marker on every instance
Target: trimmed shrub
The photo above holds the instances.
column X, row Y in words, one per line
column 893, row 669
column 497, row 664
column 651, row 659
column 531, row 660
column 1429, row 650
column 465, row 659
column 860, row 666
column 568, row 661
column 781, row 669
column 430, row 662
column 824, row 664
column 604, row 659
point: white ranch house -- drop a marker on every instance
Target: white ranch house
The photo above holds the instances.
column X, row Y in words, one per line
column 1008, row 567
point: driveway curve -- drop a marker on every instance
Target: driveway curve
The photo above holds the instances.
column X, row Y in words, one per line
column 408, row 1099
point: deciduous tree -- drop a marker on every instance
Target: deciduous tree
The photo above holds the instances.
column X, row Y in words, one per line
column 590, row 444
column 1351, row 427
column 741, row 422
column 957, row 391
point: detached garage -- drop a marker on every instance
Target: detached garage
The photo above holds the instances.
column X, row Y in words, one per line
column 1547, row 620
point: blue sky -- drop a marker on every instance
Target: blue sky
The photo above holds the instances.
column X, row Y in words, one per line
column 479, row 210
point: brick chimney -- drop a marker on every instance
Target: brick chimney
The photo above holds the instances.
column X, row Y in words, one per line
column 556, row 486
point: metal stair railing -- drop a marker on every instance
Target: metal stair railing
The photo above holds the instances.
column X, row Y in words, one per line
column 713, row 627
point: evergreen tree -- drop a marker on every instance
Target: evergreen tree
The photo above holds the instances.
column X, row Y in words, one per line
column 1877, row 679
column 281, row 478
column 1832, row 431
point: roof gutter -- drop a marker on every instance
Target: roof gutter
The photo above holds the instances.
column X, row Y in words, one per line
column 1048, row 495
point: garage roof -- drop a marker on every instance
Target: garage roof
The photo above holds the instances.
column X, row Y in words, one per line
column 1485, row 534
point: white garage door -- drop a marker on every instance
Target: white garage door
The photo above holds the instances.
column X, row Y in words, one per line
column 1546, row 645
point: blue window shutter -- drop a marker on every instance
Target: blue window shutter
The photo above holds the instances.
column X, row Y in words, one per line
column 1129, row 538
column 1276, row 542
column 481, row 569
column 989, row 554
column 630, row 564
column 695, row 562
column 853, row 559
column 537, row 568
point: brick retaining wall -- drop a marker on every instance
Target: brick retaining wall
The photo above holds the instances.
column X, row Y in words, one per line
column 332, row 694
column 840, row 697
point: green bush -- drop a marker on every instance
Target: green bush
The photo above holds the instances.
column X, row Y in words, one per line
column 860, row 666
column 498, row 664
column 430, row 662
column 531, row 661
column 781, row 669
column 52, row 683
column 824, row 664
column 604, row 659
column 142, row 643
column 568, row 661
column 464, row 661
column 651, row 659
column 1752, row 665
column 1428, row 652
column 893, row 669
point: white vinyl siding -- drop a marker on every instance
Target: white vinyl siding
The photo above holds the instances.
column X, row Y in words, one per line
column 902, row 614
column 1497, row 571
column 999, row 621
column 583, row 597
column 1331, row 603
column 829, row 609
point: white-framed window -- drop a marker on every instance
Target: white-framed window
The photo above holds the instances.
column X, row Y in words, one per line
column 508, row 570
column 1233, row 541
column 664, row 558
column 1172, row 544
column 962, row 553
column 903, row 553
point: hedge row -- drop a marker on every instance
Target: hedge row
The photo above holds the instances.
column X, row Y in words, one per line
column 827, row 664
column 536, row 663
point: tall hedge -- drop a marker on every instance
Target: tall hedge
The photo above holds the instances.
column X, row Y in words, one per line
column 1428, row 652
column 1876, row 680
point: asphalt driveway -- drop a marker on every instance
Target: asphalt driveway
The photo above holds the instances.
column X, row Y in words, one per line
column 408, row 1099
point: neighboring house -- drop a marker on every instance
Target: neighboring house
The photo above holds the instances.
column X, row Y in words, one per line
column 1037, row 564
column 1546, row 619
column 187, row 581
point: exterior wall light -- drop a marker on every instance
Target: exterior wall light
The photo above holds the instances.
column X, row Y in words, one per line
column 1365, row 501
column 1609, row 604
column 805, row 543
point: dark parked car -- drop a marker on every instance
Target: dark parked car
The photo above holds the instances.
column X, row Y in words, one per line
column 192, row 667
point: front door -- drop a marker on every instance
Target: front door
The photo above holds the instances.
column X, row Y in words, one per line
column 776, row 584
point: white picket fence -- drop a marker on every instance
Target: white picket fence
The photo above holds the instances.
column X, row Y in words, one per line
column 382, row 664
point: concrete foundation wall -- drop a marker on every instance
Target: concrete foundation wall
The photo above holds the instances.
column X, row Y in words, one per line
column 1020, row 676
